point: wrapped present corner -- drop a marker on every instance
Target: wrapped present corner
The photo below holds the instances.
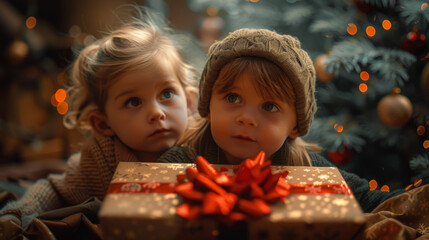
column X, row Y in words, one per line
column 145, row 201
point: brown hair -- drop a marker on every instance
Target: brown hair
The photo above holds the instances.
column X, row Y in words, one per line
column 270, row 81
column 132, row 46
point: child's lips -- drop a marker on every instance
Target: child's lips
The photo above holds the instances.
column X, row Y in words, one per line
column 245, row 138
column 160, row 132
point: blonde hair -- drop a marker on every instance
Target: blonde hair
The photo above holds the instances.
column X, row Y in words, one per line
column 270, row 81
column 130, row 47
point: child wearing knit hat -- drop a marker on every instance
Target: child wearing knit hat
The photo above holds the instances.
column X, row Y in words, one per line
column 257, row 94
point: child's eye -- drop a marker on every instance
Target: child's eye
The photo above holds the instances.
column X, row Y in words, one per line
column 270, row 107
column 167, row 94
column 133, row 102
column 232, row 98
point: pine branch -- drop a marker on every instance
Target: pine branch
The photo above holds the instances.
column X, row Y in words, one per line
column 413, row 13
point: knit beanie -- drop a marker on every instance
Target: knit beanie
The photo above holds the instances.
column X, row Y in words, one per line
column 283, row 50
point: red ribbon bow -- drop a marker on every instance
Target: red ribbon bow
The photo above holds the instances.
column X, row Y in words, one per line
column 208, row 191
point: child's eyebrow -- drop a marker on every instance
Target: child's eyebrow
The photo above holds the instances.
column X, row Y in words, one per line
column 123, row 93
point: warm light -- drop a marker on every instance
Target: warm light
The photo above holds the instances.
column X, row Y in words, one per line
column 373, row 185
column 351, row 28
column 385, row 188
column 31, row 22
column 336, row 125
column 54, row 102
column 364, row 75
column 408, row 187
column 363, row 87
column 62, row 108
column 340, row 128
column 424, row 6
column 387, row 24
column 418, row 182
column 421, row 130
column 426, row 144
column 254, row 0
column 211, row 11
column 370, row 31
column 60, row 95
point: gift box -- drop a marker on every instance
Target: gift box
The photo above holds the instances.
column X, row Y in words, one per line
column 141, row 204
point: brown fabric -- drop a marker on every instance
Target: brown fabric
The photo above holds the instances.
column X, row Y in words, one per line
column 283, row 50
column 405, row 216
column 74, row 222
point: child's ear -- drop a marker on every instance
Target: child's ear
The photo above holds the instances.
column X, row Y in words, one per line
column 294, row 133
column 191, row 99
column 99, row 123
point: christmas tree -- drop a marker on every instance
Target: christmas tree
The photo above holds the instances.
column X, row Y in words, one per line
column 371, row 59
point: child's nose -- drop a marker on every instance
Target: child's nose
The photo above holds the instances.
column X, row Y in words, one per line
column 156, row 113
column 247, row 119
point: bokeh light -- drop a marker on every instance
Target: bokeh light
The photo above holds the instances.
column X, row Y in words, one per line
column 62, row 108
column 60, row 95
column 363, row 87
column 386, row 24
column 373, row 185
column 421, row 130
column 370, row 31
column 417, row 183
column 385, row 188
column 54, row 102
column 424, row 6
column 364, row 75
column 30, row 22
column 351, row 28
column 426, row 144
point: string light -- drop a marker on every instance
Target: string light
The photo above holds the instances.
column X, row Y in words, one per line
column 424, row 6
column 54, row 102
column 351, row 28
column 62, row 108
column 370, row 31
column 386, row 24
column 426, row 144
column 60, row 95
column 373, row 185
column 363, row 87
column 385, row 188
column 421, row 130
column 30, row 22
column 364, row 75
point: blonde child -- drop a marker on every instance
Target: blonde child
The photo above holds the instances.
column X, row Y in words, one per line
column 257, row 94
column 132, row 90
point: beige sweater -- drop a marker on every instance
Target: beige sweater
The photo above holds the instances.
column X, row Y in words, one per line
column 88, row 174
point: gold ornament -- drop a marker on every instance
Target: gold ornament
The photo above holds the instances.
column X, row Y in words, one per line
column 395, row 110
column 425, row 80
column 321, row 72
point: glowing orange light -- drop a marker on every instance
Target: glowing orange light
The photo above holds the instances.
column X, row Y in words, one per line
column 62, row 108
column 370, row 31
column 364, row 75
column 385, row 188
column 54, row 101
column 373, row 185
column 340, row 128
column 424, row 6
column 417, row 183
column 387, row 24
column 421, row 130
column 408, row 187
column 60, row 95
column 351, row 28
column 30, row 22
column 363, row 87
column 336, row 125
column 426, row 144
